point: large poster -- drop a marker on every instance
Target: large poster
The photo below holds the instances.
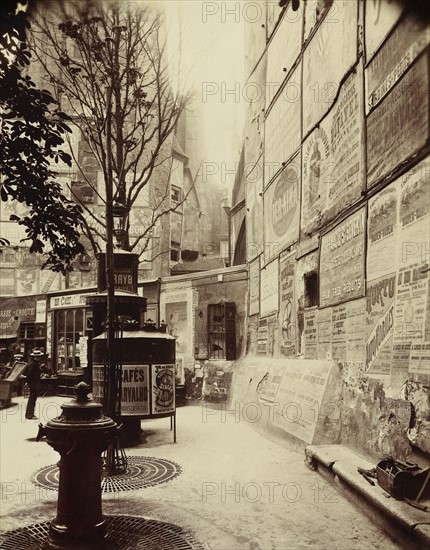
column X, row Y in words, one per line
column 285, row 113
column 399, row 126
column 411, row 313
column 269, row 289
column 323, row 67
column 283, row 50
column 397, row 54
column 254, row 287
column 342, row 261
column 254, row 93
column 254, row 212
column 287, row 311
column 380, row 324
column 333, row 158
column 163, row 389
column 176, row 319
column 135, row 388
column 300, row 396
column 310, row 334
column 380, row 17
column 282, row 210
column 381, row 280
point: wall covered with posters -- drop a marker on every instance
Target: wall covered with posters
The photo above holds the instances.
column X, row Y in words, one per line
column 342, row 274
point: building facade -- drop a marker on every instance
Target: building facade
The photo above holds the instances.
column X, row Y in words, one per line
column 337, row 147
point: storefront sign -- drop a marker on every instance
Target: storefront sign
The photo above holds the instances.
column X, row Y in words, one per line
column 342, row 261
column 69, row 300
column 163, row 389
column 287, row 313
column 282, row 210
column 323, row 67
column 269, row 289
column 13, row 311
column 281, row 145
column 397, row 54
column 333, row 158
column 399, row 126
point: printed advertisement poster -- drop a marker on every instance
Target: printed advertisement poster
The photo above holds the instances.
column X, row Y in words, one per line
column 283, row 50
column 325, row 333
column 163, row 389
column 380, row 17
column 399, row 51
column 411, row 312
column 269, row 289
column 399, row 125
column 254, row 212
column 282, row 210
column 300, row 396
column 176, row 319
column 311, row 334
column 254, row 92
column 262, row 337
column 380, row 324
column 287, row 315
column 323, row 67
column 356, row 331
column 281, row 145
column 333, row 158
column 254, row 287
column 135, row 390
column 339, row 335
column 382, row 233
column 342, row 261
column 271, row 386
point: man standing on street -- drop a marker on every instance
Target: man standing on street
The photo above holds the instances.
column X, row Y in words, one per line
column 33, row 381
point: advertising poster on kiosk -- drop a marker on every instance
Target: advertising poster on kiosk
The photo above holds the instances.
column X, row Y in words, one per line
column 163, row 389
column 135, row 390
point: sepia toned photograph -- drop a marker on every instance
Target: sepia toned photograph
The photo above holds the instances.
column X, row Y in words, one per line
column 214, row 275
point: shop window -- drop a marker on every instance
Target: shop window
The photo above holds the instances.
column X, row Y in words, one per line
column 70, row 328
column 26, row 331
column 222, row 331
column 311, row 289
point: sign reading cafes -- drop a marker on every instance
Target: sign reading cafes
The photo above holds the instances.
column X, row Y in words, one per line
column 342, row 261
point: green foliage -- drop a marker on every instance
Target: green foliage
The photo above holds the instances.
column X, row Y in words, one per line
column 31, row 135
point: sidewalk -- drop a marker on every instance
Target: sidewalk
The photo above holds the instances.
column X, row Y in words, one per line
column 339, row 464
column 238, row 490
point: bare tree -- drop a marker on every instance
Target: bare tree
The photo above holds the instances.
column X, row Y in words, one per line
column 106, row 66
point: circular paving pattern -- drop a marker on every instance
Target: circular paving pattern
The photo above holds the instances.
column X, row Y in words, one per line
column 123, row 533
column 142, row 471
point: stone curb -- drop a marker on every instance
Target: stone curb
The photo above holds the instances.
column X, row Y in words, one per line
column 340, row 464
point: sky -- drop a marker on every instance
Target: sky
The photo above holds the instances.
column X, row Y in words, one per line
column 212, row 63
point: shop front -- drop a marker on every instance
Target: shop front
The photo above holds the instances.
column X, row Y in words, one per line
column 69, row 330
column 22, row 325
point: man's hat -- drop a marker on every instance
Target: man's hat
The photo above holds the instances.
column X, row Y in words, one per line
column 18, row 355
column 36, row 353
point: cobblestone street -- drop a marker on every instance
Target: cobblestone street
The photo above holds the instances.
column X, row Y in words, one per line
column 236, row 489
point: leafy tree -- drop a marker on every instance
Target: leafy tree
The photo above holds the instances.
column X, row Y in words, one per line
column 106, row 66
column 32, row 131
